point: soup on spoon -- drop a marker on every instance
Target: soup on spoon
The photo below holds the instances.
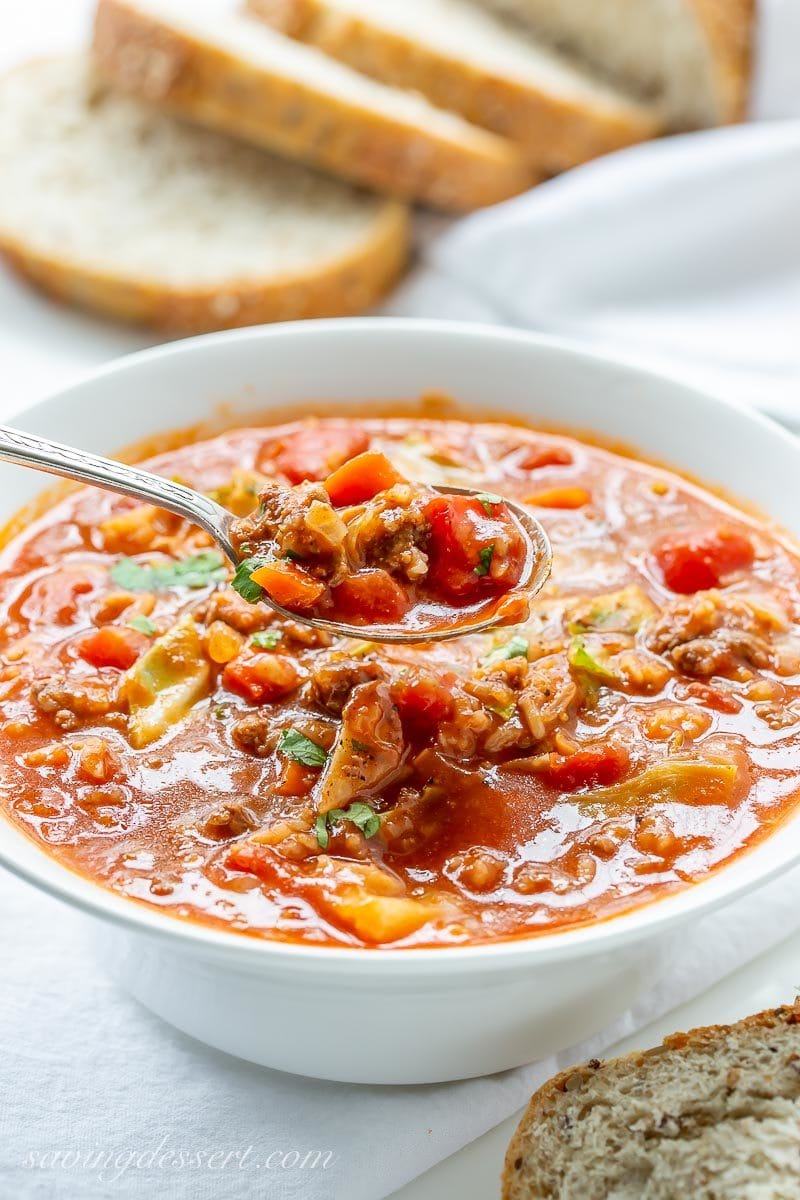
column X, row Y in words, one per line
column 369, row 548
column 363, row 552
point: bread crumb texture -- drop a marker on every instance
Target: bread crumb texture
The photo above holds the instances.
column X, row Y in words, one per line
column 691, row 58
column 108, row 203
column 709, row 1115
column 228, row 71
column 491, row 71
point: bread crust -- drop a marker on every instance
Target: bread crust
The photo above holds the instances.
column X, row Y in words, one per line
column 540, row 1104
column 188, row 77
column 342, row 287
column 554, row 132
column 729, row 27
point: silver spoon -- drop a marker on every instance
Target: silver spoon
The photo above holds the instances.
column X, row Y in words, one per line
column 44, row 455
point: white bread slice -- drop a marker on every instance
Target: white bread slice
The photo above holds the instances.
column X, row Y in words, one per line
column 201, row 60
column 108, row 204
column 476, row 64
column 709, row 1115
column 690, row 57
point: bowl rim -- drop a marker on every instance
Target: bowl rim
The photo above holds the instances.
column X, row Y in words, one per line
column 656, row 916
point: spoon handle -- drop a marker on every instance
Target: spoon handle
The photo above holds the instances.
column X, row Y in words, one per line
column 29, row 450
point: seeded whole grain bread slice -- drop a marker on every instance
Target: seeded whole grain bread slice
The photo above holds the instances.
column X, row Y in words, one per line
column 201, row 60
column 479, row 65
column 108, row 204
column 713, row 1114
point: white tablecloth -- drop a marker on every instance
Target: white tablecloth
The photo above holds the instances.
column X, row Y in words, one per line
column 685, row 253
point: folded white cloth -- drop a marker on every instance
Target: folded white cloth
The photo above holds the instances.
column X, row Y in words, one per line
column 684, row 254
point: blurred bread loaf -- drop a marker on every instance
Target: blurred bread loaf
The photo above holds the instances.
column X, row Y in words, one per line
column 467, row 59
column 115, row 207
column 200, row 60
column 181, row 177
column 690, row 58
column 713, row 1114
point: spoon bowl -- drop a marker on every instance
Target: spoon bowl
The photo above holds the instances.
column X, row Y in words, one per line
column 55, row 458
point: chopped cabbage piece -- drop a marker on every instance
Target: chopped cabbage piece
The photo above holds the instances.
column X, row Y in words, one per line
column 624, row 611
column 166, row 682
column 240, row 494
column 368, row 749
column 594, row 659
column 371, row 903
column 685, row 780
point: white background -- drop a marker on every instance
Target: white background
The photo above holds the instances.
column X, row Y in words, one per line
column 81, row 1064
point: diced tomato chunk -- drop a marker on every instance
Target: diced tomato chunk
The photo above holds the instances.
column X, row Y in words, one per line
column 692, row 562
column 55, row 597
column 714, row 698
column 262, row 678
column 596, row 766
column 314, row 451
column 423, row 702
column 545, row 456
column 361, row 478
column 289, row 585
column 113, row 646
column 471, row 551
column 260, row 861
column 370, row 597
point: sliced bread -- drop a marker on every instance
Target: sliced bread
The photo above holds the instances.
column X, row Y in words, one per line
column 112, row 206
column 690, row 57
column 709, row 1115
column 201, row 60
column 476, row 64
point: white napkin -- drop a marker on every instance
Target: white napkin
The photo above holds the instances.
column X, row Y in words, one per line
column 684, row 256
column 684, row 253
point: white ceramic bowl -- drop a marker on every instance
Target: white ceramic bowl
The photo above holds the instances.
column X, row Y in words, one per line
column 409, row 1016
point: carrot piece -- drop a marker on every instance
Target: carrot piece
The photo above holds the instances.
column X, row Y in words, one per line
column 361, row 478
column 288, row 585
column 559, row 497
column 296, row 780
